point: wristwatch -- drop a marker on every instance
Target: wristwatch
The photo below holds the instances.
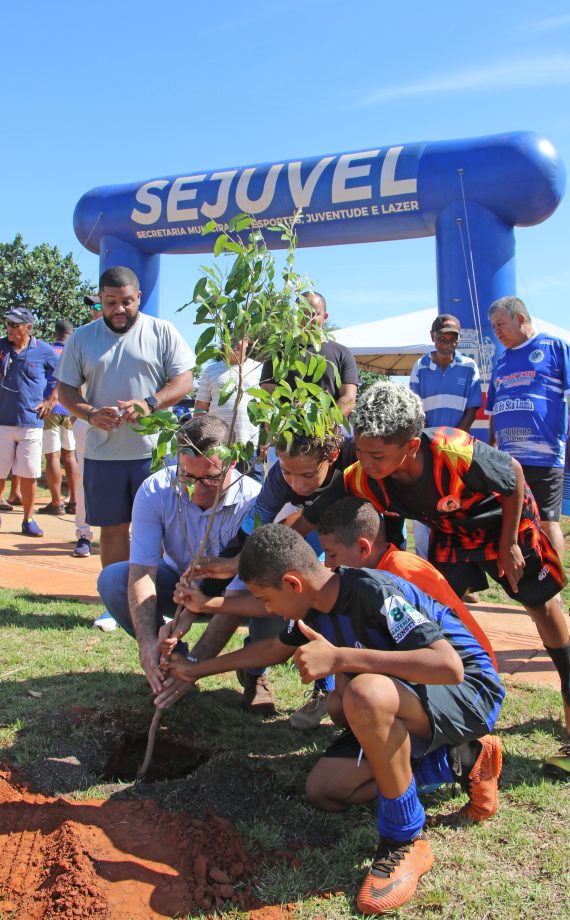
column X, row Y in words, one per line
column 152, row 403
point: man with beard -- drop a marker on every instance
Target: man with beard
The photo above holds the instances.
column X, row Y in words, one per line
column 128, row 361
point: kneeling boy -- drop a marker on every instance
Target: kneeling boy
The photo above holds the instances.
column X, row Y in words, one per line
column 419, row 685
column 352, row 533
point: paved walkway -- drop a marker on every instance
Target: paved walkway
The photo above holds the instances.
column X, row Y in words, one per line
column 48, row 566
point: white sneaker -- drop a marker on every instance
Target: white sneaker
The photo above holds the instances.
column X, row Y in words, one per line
column 105, row 622
column 312, row 712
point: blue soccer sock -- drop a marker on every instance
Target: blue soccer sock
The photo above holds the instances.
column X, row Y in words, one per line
column 433, row 768
column 402, row 818
column 326, row 684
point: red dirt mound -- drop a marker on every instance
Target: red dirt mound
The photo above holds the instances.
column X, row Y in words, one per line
column 121, row 860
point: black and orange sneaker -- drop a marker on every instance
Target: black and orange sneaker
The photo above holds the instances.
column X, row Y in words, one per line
column 476, row 765
column 558, row 765
column 394, row 875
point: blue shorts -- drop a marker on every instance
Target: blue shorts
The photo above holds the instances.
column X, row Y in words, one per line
column 110, row 487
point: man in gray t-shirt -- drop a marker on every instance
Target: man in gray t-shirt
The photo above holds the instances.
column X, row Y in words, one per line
column 123, row 360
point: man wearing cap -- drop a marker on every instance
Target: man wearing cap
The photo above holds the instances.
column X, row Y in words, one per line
column 26, row 364
column 449, row 386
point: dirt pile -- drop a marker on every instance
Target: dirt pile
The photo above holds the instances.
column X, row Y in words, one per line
column 116, row 859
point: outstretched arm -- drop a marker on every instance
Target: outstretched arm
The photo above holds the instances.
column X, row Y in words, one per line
column 510, row 558
column 255, row 655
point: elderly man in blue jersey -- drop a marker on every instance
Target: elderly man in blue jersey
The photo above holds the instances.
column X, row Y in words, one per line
column 449, row 387
column 527, row 405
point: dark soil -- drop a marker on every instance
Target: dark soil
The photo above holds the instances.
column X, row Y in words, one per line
column 170, row 760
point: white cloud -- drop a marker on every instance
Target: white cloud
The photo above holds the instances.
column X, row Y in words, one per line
column 544, row 25
column 546, row 71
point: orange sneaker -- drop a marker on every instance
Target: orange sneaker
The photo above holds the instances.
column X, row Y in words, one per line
column 394, row 875
column 481, row 783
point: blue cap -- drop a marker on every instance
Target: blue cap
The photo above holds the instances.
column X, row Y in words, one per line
column 20, row 315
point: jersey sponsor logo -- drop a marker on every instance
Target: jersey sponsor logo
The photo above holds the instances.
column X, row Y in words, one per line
column 401, row 617
column 536, row 356
column 359, row 645
column 448, row 503
column 514, row 405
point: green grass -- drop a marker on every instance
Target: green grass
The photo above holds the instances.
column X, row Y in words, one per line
column 68, row 689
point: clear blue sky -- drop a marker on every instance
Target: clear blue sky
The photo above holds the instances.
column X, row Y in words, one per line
column 106, row 93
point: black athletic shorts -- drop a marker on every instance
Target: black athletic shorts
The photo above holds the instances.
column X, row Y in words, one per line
column 543, row 577
column 457, row 713
column 546, row 484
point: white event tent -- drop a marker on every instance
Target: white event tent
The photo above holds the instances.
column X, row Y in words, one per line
column 392, row 345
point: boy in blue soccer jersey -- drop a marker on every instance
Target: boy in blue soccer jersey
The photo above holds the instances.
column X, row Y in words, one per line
column 419, row 686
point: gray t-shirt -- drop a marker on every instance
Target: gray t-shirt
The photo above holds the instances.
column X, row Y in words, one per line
column 129, row 366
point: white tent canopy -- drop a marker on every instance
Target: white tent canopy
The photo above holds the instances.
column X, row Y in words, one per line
column 392, row 345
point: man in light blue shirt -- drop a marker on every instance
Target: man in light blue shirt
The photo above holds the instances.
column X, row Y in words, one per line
column 446, row 381
column 449, row 386
column 167, row 530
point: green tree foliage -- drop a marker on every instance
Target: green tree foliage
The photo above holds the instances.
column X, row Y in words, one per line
column 251, row 302
column 45, row 282
column 367, row 378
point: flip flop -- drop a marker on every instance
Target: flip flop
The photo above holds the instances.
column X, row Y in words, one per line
column 6, row 506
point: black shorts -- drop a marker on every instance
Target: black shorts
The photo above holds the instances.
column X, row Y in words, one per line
column 546, row 485
column 457, row 713
column 543, row 576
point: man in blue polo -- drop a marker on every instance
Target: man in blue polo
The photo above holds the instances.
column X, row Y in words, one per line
column 168, row 526
column 26, row 364
column 449, row 386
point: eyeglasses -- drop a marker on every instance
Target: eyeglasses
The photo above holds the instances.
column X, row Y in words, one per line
column 13, row 325
column 205, row 480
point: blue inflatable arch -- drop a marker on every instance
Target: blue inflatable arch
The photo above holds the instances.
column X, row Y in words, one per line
column 469, row 194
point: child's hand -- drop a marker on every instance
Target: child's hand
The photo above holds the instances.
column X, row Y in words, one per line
column 166, row 642
column 190, row 596
column 317, row 659
column 510, row 563
column 179, row 667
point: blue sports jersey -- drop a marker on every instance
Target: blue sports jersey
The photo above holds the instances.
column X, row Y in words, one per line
column 378, row 610
column 527, row 400
column 446, row 392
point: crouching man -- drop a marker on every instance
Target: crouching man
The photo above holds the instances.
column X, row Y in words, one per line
column 167, row 529
column 419, row 686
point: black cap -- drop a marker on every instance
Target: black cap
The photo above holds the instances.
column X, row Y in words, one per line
column 20, row 315
column 92, row 301
column 445, row 322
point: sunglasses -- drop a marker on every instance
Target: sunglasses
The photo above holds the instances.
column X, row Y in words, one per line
column 13, row 325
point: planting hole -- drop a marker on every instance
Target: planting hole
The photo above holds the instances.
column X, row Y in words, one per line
column 170, row 759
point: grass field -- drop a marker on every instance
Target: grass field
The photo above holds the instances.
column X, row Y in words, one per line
column 71, row 693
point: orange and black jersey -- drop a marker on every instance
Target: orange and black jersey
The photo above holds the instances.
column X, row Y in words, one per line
column 459, row 496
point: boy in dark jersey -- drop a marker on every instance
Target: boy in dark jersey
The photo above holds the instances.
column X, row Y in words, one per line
column 418, row 688
column 352, row 533
column 483, row 518
column 305, row 468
